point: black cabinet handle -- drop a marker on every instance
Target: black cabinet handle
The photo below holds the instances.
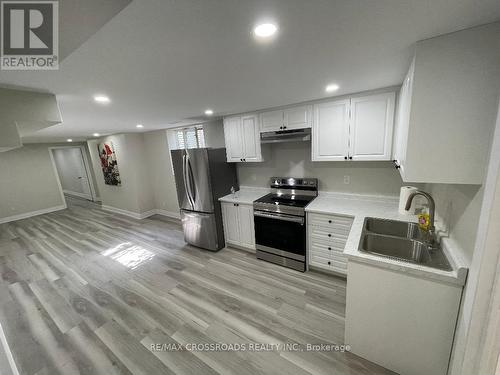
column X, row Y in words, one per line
column 329, row 248
column 329, row 263
column 329, row 235
column 329, row 221
column 345, row 157
column 350, row 157
column 284, row 127
column 281, row 127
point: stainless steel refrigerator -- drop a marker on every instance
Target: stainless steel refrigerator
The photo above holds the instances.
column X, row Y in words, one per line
column 202, row 176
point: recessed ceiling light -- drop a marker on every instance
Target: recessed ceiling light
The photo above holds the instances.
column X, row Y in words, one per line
column 209, row 112
column 96, row 134
column 265, row 30
column 69, row 140
column 332, row 87
column 102, row 99
column 139, row 126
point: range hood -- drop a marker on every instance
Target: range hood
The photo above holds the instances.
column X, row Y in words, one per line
column 296, row 135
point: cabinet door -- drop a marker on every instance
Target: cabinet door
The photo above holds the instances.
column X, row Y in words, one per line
column 271, row 121
column 251, row 138
column 330, row 131
column 371, row 126
column 298, row 117
column 231, row 222
column 403, row 122
column 247, row 233
column 233, row 138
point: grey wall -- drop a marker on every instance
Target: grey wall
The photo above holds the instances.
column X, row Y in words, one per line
column 294, row 159
column 459, row 207
column 161, row 173
column 135, row 193
column 28, row 181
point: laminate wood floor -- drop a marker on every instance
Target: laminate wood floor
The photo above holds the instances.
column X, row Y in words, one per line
column 84, row 291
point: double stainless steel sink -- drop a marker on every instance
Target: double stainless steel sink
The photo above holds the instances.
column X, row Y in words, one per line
column 403, row 241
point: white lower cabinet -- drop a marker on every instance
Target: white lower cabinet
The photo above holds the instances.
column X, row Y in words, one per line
column 402, row 322
column 327, row 236
column 238, row 225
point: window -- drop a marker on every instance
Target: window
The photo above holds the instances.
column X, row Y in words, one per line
column 190, row 138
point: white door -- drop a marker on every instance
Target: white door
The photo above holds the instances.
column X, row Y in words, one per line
column 233, row 137
column 271, row 121
column 330, row 131
column 72, row 172
column 247, row 234
column 251, row 138
column 231, row 222
column 371, row 126
column 298, row 117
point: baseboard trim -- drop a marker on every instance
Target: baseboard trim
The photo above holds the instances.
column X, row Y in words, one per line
column 31, row 214
column 143, row 215
column 79, row 195
column 120, row 211
column 170, row 214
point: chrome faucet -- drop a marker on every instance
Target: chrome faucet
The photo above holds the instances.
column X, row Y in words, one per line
column 432, row 209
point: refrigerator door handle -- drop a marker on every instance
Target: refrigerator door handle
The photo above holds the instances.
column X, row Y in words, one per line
column 186, row 184
column 192, row 184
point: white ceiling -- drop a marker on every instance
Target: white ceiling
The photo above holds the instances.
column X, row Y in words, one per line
column 162, row 61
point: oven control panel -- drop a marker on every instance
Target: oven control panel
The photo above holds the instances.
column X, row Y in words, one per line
column 291, row 182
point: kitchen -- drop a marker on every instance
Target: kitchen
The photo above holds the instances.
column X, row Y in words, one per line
column 321, row 199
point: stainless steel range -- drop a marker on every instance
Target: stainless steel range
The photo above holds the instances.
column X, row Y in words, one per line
column 280, row 221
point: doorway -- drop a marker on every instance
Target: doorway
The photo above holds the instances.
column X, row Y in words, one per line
column 72, row 167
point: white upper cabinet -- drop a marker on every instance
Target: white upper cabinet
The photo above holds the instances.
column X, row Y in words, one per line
column 371, row 127
column 271, row 121
column 299, row 117
column 359, row 128
column 330, row 131
column 251, row 138
column 403, row 122
column 234, row 140
column 447, row 108
column 242, row 138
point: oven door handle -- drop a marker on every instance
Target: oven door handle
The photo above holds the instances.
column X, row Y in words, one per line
column 299, row 220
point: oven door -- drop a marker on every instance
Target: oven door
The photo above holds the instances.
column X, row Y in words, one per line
column 280, row 234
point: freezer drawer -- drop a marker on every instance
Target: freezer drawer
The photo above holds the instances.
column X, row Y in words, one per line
column 200, row 229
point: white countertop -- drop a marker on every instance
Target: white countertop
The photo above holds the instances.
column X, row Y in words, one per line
column 360, row 207
column 245, row 195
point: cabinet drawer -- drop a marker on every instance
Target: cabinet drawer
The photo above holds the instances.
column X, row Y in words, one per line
column 321, row 246
column 339, row 267
column 339, row 258
column 330, row 220
column 329, row 234
column 319, row 261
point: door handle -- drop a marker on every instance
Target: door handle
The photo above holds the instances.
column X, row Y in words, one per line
column 299, row 220
column 192, row 184
column 184, row 176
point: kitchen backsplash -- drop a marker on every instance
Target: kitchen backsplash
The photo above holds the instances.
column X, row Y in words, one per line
column 294, row 159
